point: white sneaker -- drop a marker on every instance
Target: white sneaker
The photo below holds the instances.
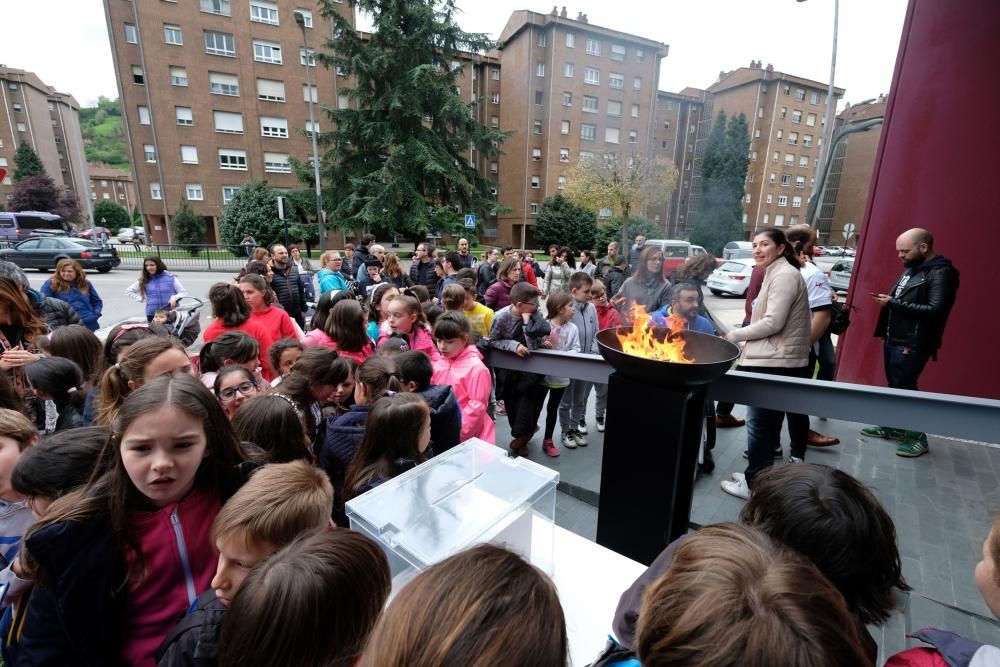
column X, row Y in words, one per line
column 794, row 459
column 738, row 476
column 600, row 424
column 582, row 428
column 737, row 488
column 568, row 441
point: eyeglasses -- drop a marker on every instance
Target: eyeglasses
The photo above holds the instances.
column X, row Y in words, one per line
column 655, row 259
column 246, row 388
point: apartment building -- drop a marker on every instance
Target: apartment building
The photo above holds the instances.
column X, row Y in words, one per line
column 33, row 112
column 214, row 95
column 678, row 128
column 112, row 185
column 568, row 89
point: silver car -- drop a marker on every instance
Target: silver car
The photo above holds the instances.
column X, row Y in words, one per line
column 840, row 275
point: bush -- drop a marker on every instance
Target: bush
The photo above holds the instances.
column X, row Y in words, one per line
column 189, row 227
column 563, row 223
column 254, row 211
column 111, row 215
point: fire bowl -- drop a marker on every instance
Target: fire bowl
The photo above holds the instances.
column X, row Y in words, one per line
column 712, row 355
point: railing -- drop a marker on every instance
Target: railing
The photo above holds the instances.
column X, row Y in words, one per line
column 182, row 257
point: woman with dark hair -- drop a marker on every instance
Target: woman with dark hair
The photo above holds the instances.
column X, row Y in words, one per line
column 276, row 425
column 393, row 272
column 159, row 288
column 20, row 329
column 588, row 264
column 70, row 284
column 232, row 313
column 498, row 294
column 60, row 381
column 695, row 271
column 647, row 287
column 776, row 342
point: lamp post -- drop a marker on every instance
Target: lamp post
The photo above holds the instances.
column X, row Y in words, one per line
column 300, row 19
column 828, row 111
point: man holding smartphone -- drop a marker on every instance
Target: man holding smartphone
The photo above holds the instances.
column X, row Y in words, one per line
column 912, row 323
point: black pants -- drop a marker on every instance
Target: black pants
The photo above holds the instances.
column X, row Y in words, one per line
column 523, row 395
column 552, row 410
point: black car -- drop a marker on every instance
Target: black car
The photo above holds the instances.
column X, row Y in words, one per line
column 44, row 253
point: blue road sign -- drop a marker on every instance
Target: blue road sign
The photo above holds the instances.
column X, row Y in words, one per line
column 470, row 222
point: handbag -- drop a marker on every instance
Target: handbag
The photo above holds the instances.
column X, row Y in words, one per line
column 840, row 318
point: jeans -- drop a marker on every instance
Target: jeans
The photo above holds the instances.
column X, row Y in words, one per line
column 903, row 365
column 602, row 399
column 573, row 407
column 827, row 358
column 764, row 424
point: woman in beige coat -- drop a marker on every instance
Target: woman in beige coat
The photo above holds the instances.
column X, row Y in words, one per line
column 775, row 342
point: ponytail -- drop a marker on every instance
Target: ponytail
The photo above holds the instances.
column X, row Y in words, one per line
column 114, row 384
column 58, row 377
column 379, row 375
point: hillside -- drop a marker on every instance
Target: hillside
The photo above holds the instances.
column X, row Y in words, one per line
column 104, row 135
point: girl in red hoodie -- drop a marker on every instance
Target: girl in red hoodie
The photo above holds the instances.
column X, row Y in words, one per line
column 119, row 561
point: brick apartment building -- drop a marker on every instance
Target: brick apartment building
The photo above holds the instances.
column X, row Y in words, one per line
column 49, row 120
column 678, row 129
column 850, row 176
column 112, row 185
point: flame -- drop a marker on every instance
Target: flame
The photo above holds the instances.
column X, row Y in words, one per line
column 643, row 341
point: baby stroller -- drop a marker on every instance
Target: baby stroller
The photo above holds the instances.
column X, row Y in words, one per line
column 183, row 321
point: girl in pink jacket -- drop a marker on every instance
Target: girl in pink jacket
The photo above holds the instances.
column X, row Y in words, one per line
column 461, row 365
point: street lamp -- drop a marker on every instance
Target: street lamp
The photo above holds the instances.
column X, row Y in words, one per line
column 828, row 112
column 301, row 20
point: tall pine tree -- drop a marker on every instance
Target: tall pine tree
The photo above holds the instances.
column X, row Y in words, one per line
column 397, row 160
column 723, row 171
column 26, row 162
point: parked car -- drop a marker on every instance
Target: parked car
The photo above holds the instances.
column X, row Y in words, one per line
column 675, row 252
column 733, row 277
column 834, row 250
column 88, row 233
column 127, row 234
column 840, row 275
column 17, row 226
column 849, row 252
column 737, row 250
column 43, row 253
column 819, row 251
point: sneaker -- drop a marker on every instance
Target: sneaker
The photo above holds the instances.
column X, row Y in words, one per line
column 794, row 459
column 912, row 447
column 550, row 448
column 600, row 424
column 582, row 427
column 738, row 476
column 568, row 441
column 579, row 439
column 501, row 408
column 883, row 432
column 737, row 488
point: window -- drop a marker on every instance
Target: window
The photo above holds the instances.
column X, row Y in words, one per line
column 52, row 106
column 277, row 163
column 811, row 120
column 223, row 84
column 784, row 112
column 779, row 220
column 593, row 47
column 753, row 158
column 312, row 127
column 536, row 182
column 343, row 101
column 541, row 39
column 309, row 94
column 807, row 140
column 228, row 123
column 148, row 150
column 570, row 40
column 803, row 160
column 194, row 192
column 567, row 99
column 769, row 199
column 783, row 200
column 228, row 192
column 779, row 134
column 564, row 155
column 592, row 75
column 494, row 121
column 789, row 160
column 189, row 154
column 495, row 73
column 154, row 191
column 664, row 144
column 766, row 217
column 796, row 116
column 588, row 132
column 144, row 115
column 775, row 158
column 178, row 76
column 633, row 136
column 800, row 94
column 266, row 52
column 308, row 57
column 611, row 135
column 618, row 52
column 637, row 83
column 635, row 111
column 107, row 196
column 564, row 127
column 493, row 167
column 536, row 154
column 800, row 181
column 561, row 183
column 104, row 184
column 273, row 127
column 568, row 70
column 796, row 202
column 590, row 103
column 605, row 213
column 306, row 17
column 786, row 179
column 11, row 86
column 220, row 44
column 137, row 75
column 172, row 34
column 495, row 98
column 793, row 138
column 539, row 69
column 794, row 220
column 220, row 7
column 263, row 12
column 746, row 199
column 272, row 91
column 534, row 208
column 232, row 159
column 614, row 108
column 537, row 127
column 131, row 34
column 640, row 56
column 814, row 98
column 616, row 81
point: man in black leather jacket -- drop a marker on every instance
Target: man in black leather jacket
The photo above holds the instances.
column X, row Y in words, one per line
column 912, row 323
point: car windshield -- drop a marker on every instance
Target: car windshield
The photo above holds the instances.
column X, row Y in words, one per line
column 733, row 267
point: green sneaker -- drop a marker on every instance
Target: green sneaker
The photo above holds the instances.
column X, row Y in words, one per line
column 913, row 446
column 883, row 432
column 578, row 439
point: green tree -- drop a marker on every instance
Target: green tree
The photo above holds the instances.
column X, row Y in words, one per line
column 563, row 223
column 254, row 211
column 724, row 172
column 400, row 153
column 189, row 227
column 637, row 225
column 111, row 215
column 27, row 163
column 35, row 193
column 622, row 183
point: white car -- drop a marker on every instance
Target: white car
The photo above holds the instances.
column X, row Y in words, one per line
column 733, row 277
column 840, row 275
column 127, row 234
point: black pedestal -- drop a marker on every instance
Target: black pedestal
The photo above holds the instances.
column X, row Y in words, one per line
column 647, row 476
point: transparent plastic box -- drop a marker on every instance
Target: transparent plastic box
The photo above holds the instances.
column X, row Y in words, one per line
column 471, row 494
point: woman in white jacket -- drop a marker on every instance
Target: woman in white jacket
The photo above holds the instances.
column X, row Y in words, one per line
column 557, row 277
column 775, row 342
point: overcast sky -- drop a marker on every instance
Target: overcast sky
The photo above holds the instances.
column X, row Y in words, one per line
column 65, row 42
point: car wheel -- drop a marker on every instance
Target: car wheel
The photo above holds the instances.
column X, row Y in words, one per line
column 717, row 292
column 104, row 269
